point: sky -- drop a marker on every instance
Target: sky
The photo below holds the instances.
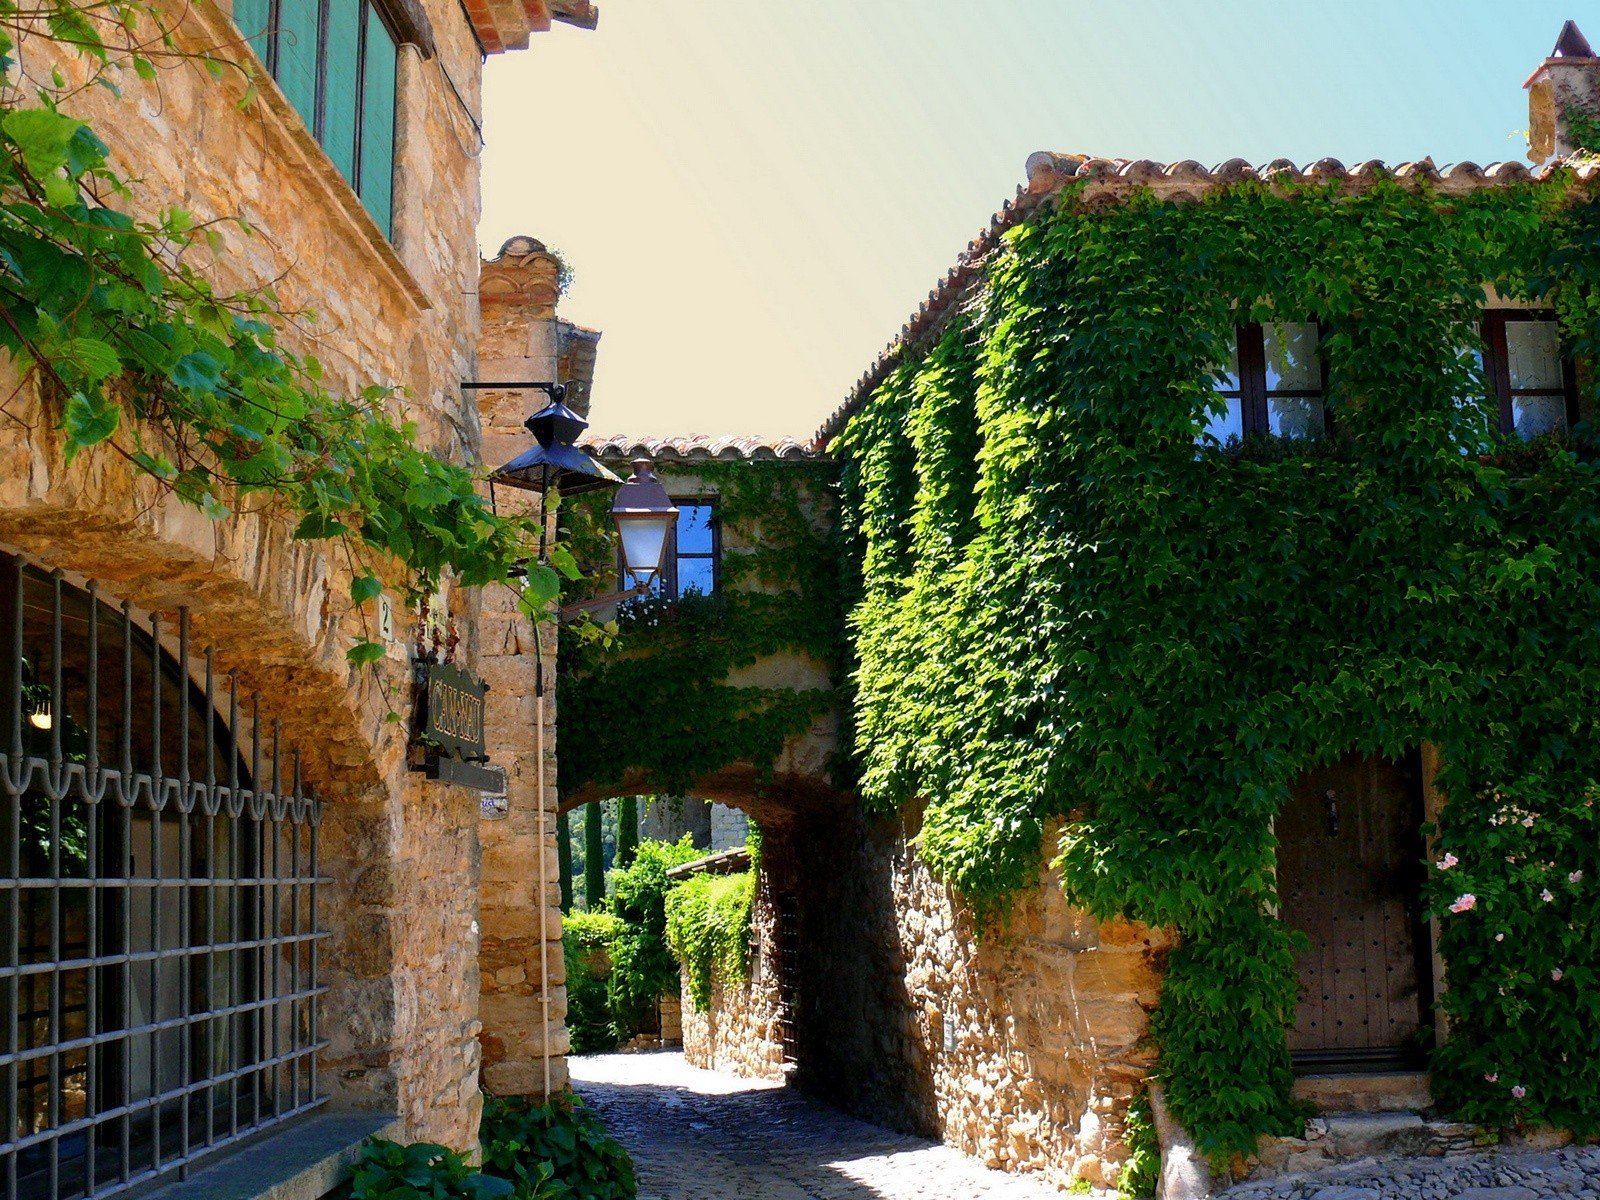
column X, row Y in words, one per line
column 754, row 195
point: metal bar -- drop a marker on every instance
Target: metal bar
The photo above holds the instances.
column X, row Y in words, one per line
column 27, row 970
column 35, row 1053
column 57, row 720
column 157, row 797
column 211, row 892
column 234, row 841
column 294, row 928
column 92, row 817
column 125, row 868
column 312, row 952
column 14, row 925
column 185, row 971
column 154, row 1103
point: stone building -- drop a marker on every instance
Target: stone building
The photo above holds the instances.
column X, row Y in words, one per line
column 340, row 990
column 1023, row 1042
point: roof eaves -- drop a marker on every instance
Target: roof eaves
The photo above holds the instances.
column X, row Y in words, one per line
column 1049, row 172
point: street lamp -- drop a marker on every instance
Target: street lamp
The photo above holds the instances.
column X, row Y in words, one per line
column 553, row 460
column 644, row 516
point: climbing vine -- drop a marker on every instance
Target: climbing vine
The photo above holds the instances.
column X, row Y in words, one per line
column 708, row 925
column 1082, row 636
column 136, row 353
column 656, row 699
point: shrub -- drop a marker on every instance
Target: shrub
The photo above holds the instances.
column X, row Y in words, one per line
column 389, row 1171
column 588, row 939
column 555, row 1151
column 642, row 964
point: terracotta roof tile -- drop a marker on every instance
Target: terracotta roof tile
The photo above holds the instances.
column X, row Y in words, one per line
column 1048, row 172
column 697, row 448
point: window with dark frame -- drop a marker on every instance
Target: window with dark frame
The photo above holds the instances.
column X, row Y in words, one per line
column 158, row 939
column 1534, row 384
column 693, row 554
column 1275, row 383
column 336, row 61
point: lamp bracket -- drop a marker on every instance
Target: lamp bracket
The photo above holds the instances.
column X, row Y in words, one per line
column 556, row 391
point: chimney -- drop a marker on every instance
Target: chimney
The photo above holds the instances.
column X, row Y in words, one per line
column 1565, row 85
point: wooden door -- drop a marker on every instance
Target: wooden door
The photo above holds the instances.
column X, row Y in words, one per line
column 1349, row 877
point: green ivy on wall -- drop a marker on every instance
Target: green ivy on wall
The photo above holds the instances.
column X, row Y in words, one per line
column 708, row 925
column 1068, row 616
column 655, row 698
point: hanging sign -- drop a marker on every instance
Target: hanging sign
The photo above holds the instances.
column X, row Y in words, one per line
column 453, row 711
column 451, row 729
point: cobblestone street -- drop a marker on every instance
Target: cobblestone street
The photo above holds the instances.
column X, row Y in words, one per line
column 697, row 1135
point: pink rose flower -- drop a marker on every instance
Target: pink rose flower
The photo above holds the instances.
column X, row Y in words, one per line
column 1546, row 896
column 1465, row 903
column 1519, row 1091
column 1499, row 937
column 1527, row 822
column 1491, row 1078
column 1556, row 974
column 1448, row 861
column 1575, row 876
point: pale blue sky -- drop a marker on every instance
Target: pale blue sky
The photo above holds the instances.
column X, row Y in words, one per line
column 755, row 194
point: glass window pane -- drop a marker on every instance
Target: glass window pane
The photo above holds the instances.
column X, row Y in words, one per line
column 1533, row 351
column 377, row 123
column 696, row 575
column 1291, row 353
column 297, row 56
column 1230, row 424
column 252, row 18
column 694, row 528
column 1295, row 416
column 1534, row 415
column 1230, row 375
column 340, row 79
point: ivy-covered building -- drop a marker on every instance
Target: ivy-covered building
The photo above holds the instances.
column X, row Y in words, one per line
column 1218, row 554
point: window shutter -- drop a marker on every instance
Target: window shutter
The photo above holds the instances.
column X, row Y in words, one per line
column 341, row 82
column 377, row 123
column 253, row 17
column 296, row 69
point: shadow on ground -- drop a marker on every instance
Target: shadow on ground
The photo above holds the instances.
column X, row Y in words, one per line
column 696, row 1134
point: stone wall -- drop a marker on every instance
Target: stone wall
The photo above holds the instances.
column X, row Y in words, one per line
column 402, row 854
column 523, row 968
column 739, row 1031
column 1021, row 1045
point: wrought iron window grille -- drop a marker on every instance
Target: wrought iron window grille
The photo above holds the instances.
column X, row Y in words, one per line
column 158, row 936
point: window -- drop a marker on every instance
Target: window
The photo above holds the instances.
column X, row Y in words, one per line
column 1275, row 383
column 335, row 60
column 158, row 961
column 693, row 555
column 1534, row 385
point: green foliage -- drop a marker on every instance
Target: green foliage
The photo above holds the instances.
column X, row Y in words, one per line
column 1068, row 617
column 1142, row 1171
column 587, row 940
column 657, row 700
column 708, row 927
column 421, row 1171
column 139, row 354
column 643, row 968
column 556, row 1151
